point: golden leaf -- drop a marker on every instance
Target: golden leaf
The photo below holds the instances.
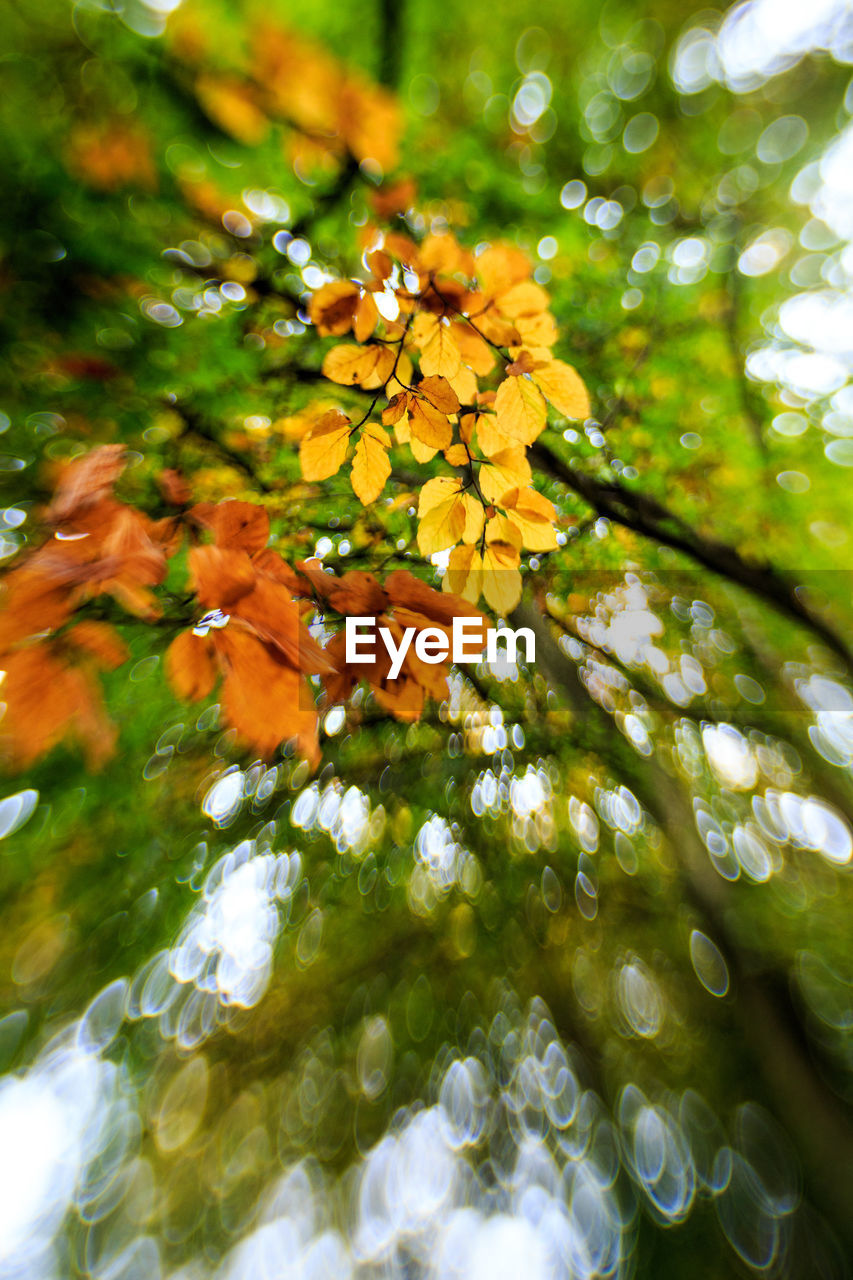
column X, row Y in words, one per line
column 464, row 575
column 537, row 331
column 439, row 352
column 533, row 515
column 473, row 349
column 323, row 450
column 428, row 425
column 501, row 578
column 474, row 518
column 368, row 366
column 442, row 526
column 457, row 455
column 499, row 267
column 507, row 469
column 366, row 317
column 524, row 299
column 562, row 385
column 332, row 307
column 371, row 466
column 439, row 393
column 489, row 438
column 521, row 411
column 438, row 490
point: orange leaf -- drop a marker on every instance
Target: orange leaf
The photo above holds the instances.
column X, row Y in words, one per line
column 47, row 700
column 100, row 641
column 263, row 698
column 220, row 576
column 191, row 666
column 366, row 317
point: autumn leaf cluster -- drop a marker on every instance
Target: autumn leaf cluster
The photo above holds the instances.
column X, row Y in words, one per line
column 455, row 354
column 246, row 625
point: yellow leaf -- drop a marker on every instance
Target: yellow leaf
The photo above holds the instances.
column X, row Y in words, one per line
column 489, row 438
column 501, row 579
column 456, row 455
column 464, row 576
column 537, row 331
column 366, row 366
column 420, row 452
column 324, row 448
column 429, row 425
column 370, row 466
column 525, row 299
column 442, row 526
column 401, row 379
column 436, row 491
column 533, row 515
column 501, row 529
column 439, row 352
column 465, row 386
column 499, row 267
column 439, row 393
column 474, row 518
column 379, row 370
column 507, row 469
column 441, row 253
column 560, row 384
column 521, row 411
column 475, row 352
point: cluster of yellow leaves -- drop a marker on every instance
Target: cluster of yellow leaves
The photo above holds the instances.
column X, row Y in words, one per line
column 479, row 332
column 332, row 111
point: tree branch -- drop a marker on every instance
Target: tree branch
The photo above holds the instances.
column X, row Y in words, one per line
column 650, row 519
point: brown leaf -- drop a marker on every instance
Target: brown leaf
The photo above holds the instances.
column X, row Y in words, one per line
column 356, row 593
column 333, row 306
column 85, row 480
column 174, row 488
column 405, row 590
column 240, row 526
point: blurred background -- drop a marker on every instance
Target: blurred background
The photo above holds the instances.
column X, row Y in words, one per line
column 556, row 981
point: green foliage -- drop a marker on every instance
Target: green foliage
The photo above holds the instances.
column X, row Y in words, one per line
column 662, row 798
